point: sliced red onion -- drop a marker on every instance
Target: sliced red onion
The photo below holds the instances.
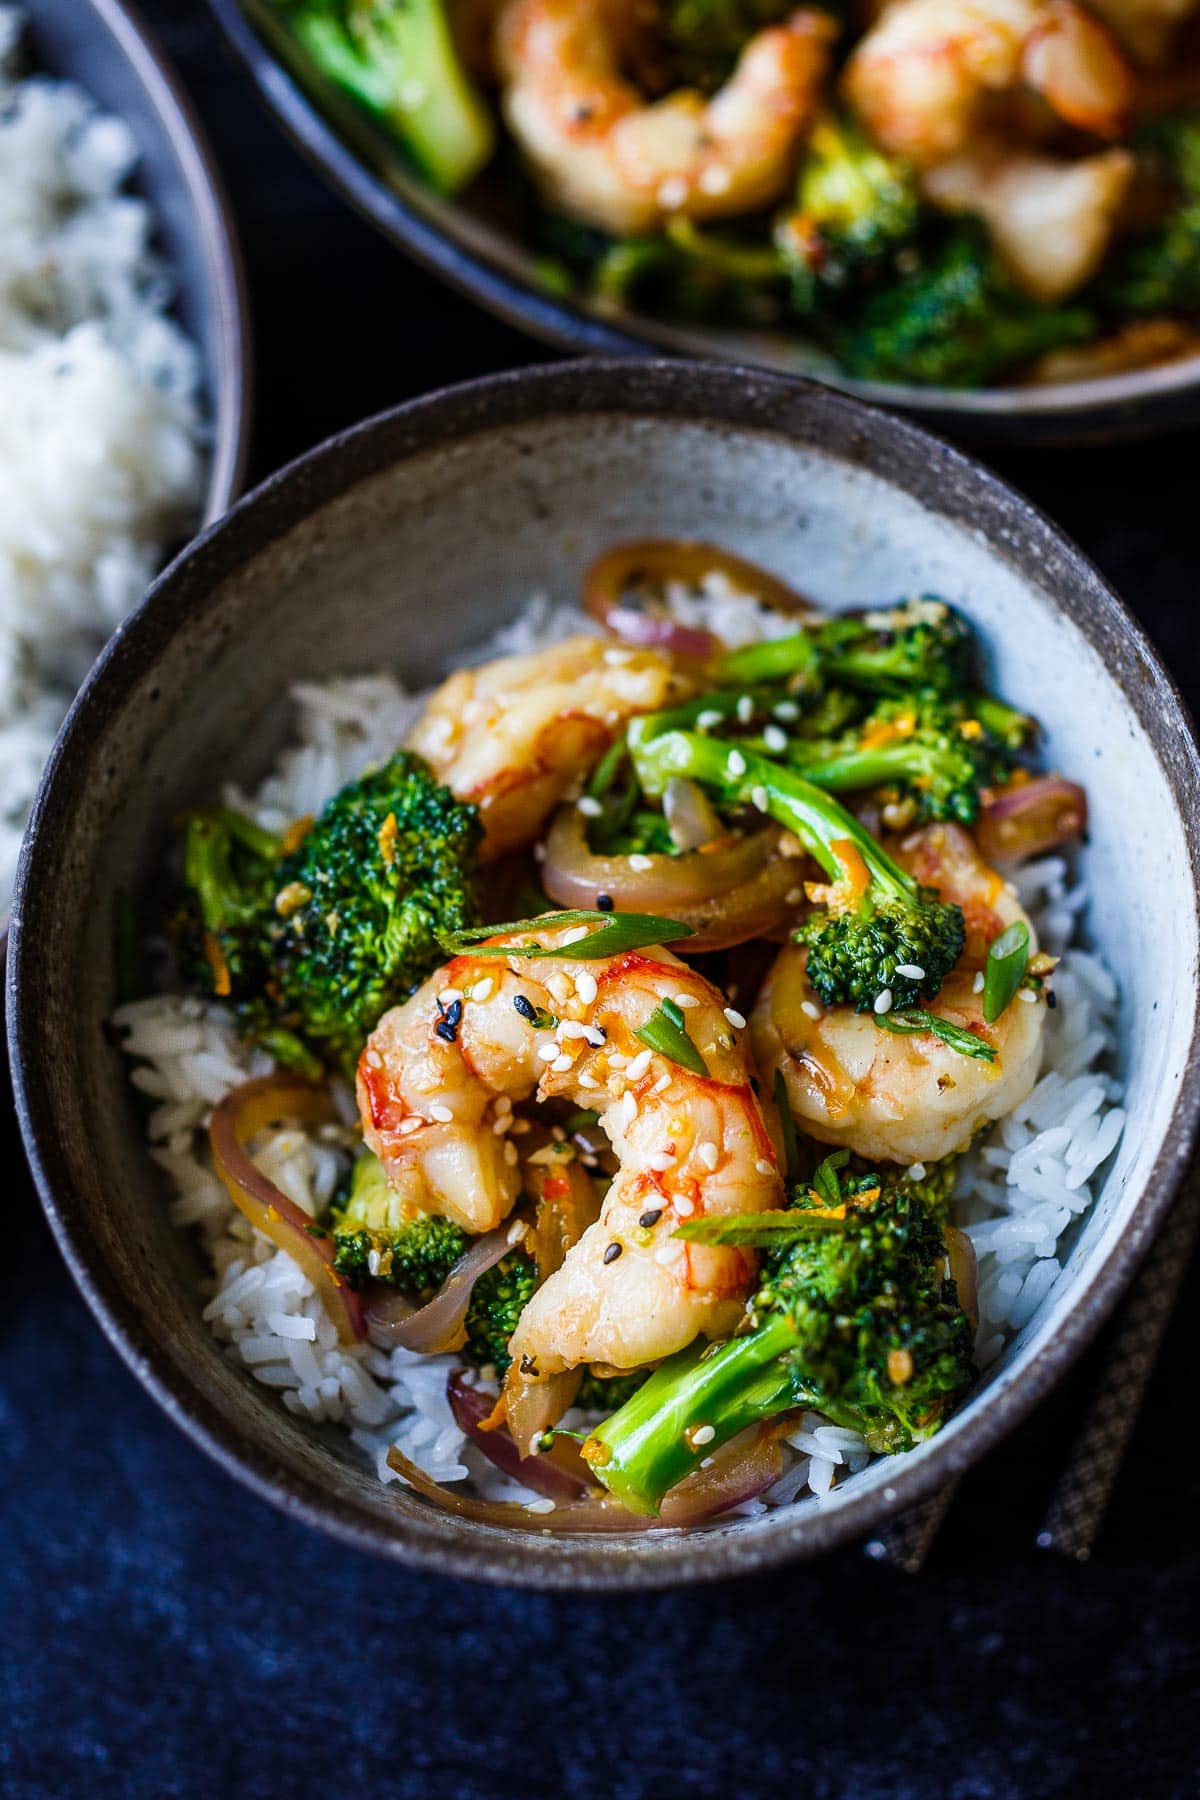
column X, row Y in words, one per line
column 245, row 1111
column 1031, row 817
column 964, row 1271
column 438, row 1325
column 560, row 1472
column 652, row 563
column 649, row 631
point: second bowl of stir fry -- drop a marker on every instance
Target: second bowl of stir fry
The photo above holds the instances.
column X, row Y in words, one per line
column 982, row 207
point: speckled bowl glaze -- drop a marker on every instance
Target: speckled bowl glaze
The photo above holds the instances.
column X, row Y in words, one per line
column 407, row 539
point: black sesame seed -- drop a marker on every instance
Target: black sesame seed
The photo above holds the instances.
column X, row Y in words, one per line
column 604, row 902
column 651, row 1218
column 525, row 1007
column 446, row 1031
column 612, row 1253
column 454, row 1013
column 1051, row 999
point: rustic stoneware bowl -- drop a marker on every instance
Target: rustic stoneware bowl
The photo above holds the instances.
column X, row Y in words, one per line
column 401, row 543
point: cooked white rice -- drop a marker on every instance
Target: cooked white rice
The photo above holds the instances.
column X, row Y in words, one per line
column 101, row 465
column 1020, row 1194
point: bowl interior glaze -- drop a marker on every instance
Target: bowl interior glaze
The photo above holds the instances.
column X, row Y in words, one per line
column 411, row 538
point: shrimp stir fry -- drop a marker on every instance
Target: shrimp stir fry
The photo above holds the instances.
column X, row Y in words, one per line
column 906, row 1099
column 437, row 1108
column 606, row 156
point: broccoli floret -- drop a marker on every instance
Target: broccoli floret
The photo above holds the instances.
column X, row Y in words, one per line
column 856, row 1316
column 413, row 1254
column 399, row 61
column 955, row 321
column 607, row 1394
column 855, row 208
column 920, row 643
column 1158, row 271
column 876, row 921
column 499, row 1298
column 931, row 754
column 703, row 39
column 386, row 870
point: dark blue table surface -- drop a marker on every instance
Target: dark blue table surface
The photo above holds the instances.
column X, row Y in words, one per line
column 163, row 1633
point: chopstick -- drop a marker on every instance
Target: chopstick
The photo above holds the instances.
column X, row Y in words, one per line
column 1081, row 1495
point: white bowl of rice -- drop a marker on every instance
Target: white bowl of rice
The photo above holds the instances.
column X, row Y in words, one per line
column 123, row 420
column 279, row 658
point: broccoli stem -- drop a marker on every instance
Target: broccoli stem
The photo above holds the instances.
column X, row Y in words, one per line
column 398, row 59
column 818, row 820
column 650, row 1444
column 775, row 659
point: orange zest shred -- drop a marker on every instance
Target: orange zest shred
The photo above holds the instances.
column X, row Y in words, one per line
column 388, row 833
column 296, row 833
column 214, row 956
column 852, row 883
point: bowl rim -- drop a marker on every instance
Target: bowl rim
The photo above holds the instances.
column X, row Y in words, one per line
column 743, row 399
column 215, row 227
column 479, row 264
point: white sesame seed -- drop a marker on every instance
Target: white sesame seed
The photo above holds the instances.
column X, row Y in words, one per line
column 736, row 1019
column 1028, row 995
column 593, row 1035
column 883, row 1001
column 617, row 1061
column 586, row 1080
column 502, row 1123
column 503, row 1104
column 684, row 1205
column 914, row 971
column 448, row 996
column 442, row 1114
column 576, row 935
column 764, row 1167
column 686, row 1000
column 544, row 1505
column 516, row 1231
column 978, row 984
column 715, row 179
column 585, row 987
column 589, row 807
column 373, row 1262
column 760, row 798
column 640, row 863
column 628, row 1109
column 672, row 193
column 510, row 1153
column 483, row 990
column 703, row 1434
column 662, row 1160
column 745, row 709
column 708, row 719
column 521, row 1126
column 561, row 1064
column 662, row 1084
column 810, row 1009
column 560, row 987
column 571, row 1028
column 548, row 1052
column 736, row 763
column 412, row 1123
column 786, row 710
column 708, row 1153
column 639, row 1065
column 775, row 738
column 916, row 1171
column 793, row 897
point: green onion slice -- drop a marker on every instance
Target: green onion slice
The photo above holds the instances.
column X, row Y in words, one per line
column 617, row 933
column 665, row 1032
column 825, row 1184
column 787, row 1130
column 1007, row 960
column 767, row 1230
column 913, row 1021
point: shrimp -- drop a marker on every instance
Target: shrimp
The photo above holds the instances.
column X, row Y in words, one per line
column 514, row 735
column 603, row 155
column 906, row 1099
column 923, row 77
column 437, row 1108
column 1052, row 221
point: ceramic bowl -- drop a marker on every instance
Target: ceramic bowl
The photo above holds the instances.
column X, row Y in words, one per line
column 474, row 242
column 397, row 545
